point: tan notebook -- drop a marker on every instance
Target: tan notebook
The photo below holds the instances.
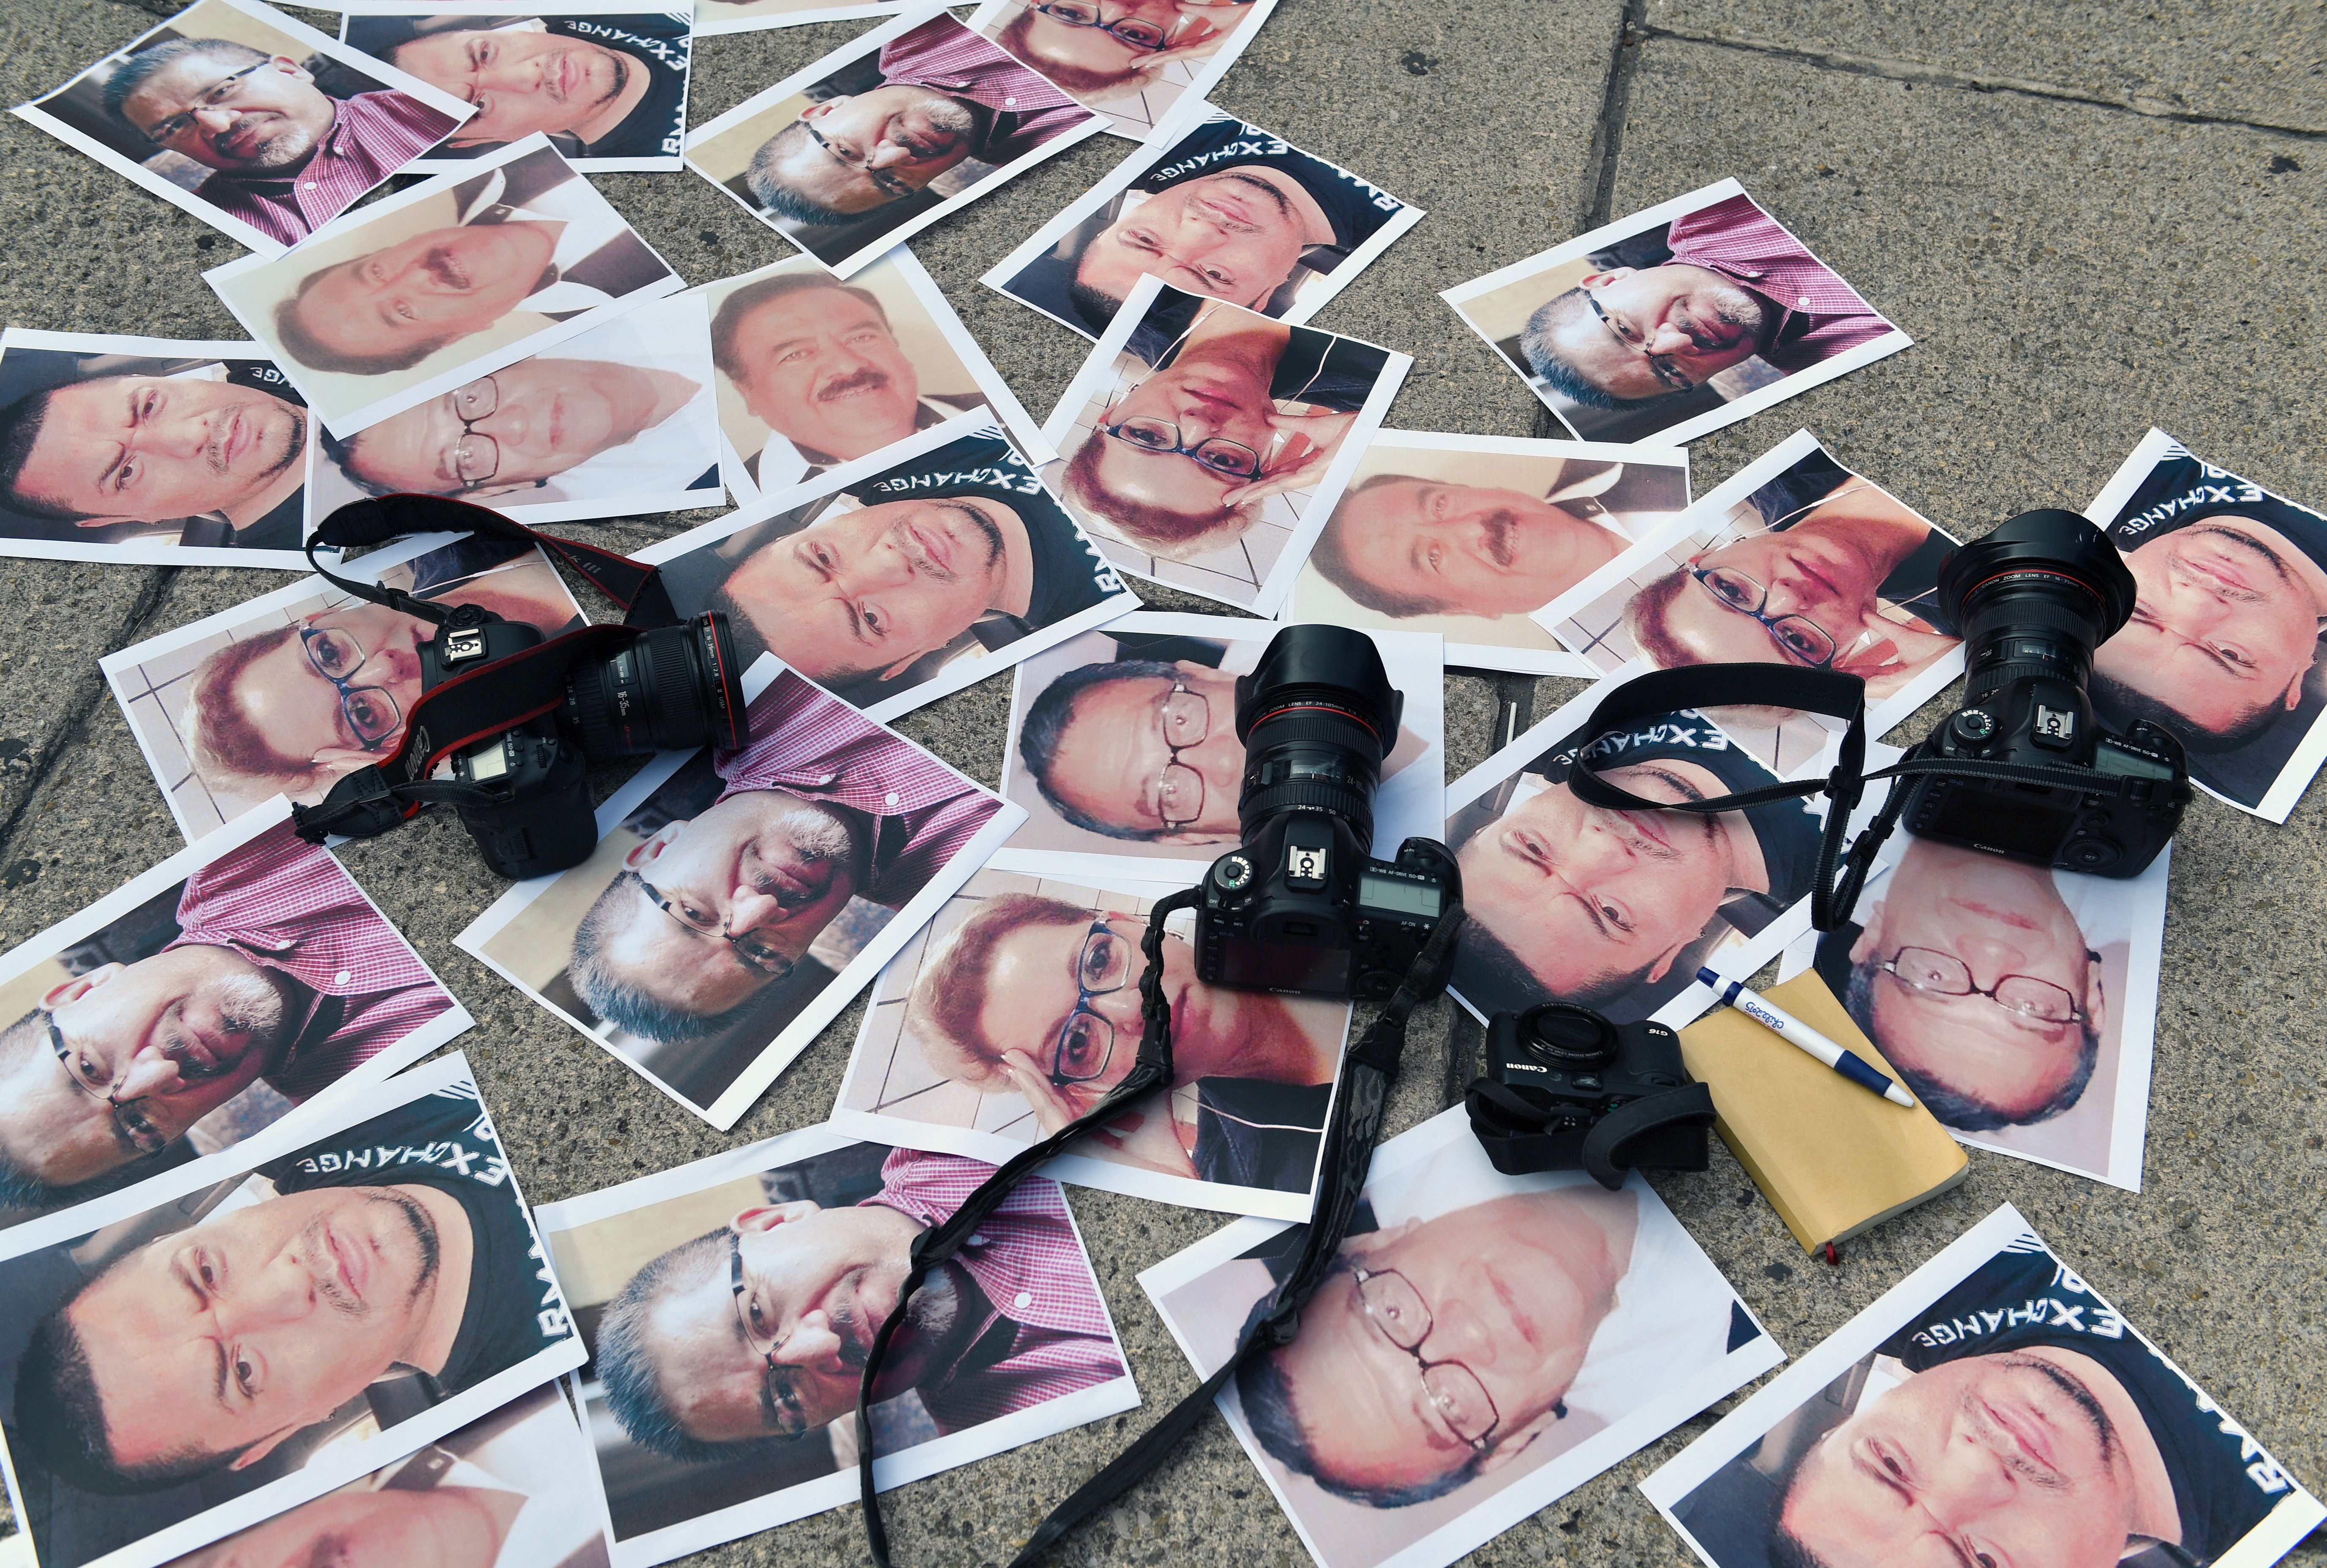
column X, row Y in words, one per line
column 1832, row 1159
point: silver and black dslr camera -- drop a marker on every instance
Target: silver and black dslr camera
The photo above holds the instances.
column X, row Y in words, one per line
column 1301, row 905
column 1565, row 1089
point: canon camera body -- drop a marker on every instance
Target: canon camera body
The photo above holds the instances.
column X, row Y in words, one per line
column 1567, row 1089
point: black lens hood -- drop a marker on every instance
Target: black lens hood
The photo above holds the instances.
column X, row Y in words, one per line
column 2051, row 542
column 1313, row 667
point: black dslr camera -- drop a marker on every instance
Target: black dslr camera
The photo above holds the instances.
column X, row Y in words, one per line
column 2034, row 600
column 1567, row 1090
column 1301, row 905
column 673, row 688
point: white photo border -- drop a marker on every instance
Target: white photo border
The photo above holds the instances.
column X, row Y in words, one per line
column 1207, row 75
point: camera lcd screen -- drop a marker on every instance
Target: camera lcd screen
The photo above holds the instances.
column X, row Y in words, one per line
column 1393, row 893
column 2023, row 827
column 1282, row 965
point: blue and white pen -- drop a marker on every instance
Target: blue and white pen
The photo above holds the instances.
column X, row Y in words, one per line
column 1795, row 1032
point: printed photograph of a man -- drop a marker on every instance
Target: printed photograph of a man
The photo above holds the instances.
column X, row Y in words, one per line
column 250, row 121
column 437, row 286
column 1228, row 211
column 619, row 421
column 875, row 142
column 815, row 372
column 186, row 1356
column 512, row 1490
column 2015, row 1417
column 149, row 450
column 1467, row 535
column 244, row 977
column 605, row 82
column 1018, row 1010
column 2230, row 604
column 895, row 587
column 1134, row 63
column 1616, row 910
column 1675, row 321
column 1484, row 1344
column 1202, row 442
column 729, row 1305
column 1122, row 747
column 732, row 889
column 2018, row 1003
column 286, row 693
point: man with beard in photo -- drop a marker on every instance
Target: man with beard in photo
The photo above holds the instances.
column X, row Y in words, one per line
column 1039, row 997
column 1972, row 976
column 289, row 157
column 280, row 968
column 709, row 911
column 1116, row 51
column 156, row 450
column 1734, row 285
column 1597, row 907
column 815, row 361
column 594, row 85
column 758, row 1330
column 396, row 1246
column 945, row 95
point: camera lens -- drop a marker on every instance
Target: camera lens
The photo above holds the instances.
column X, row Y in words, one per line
column 2034, row 598
column 669, row 690
column 1316, row 718
column 1569, row 1035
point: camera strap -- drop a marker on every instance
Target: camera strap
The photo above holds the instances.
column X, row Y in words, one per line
column 479, row 703
column 1367, row 1069
column 1840, row 877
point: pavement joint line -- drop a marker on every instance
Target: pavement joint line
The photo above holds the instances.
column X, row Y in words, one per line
column 82, row 701
column 1908, row 70
column 1607, row 144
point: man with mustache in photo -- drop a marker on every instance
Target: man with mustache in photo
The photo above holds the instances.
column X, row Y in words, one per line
column 289, row 157
column 758, row 1330
column 1041, row 997
column 1612, row 910
column 944, row 96
column 1972, row 975
column 398, row 1247
column 280, row 968
column 1734, row 285
column 1110, row 52
column 816, row 361
column 159, row 450
column 595, row 86
column 532, row 234
column 2032, row 1426
column 709, row 911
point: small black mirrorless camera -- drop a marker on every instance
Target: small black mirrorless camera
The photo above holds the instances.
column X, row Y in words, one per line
column 1301, row 905
column 2033, row 599
column 1565, row 1089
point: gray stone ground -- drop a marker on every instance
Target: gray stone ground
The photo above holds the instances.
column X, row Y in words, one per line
column 2093, row 217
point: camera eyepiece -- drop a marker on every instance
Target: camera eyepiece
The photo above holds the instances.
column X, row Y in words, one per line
column 1316, row 718
column 2035, row 598
column 672, row 689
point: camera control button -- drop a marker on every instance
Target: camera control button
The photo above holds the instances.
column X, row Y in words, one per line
column 1232, row 872
column 1588, row 1081
column 1974, row 725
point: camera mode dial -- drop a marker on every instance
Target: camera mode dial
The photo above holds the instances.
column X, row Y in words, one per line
column 1232, row 873
column 1973, row 725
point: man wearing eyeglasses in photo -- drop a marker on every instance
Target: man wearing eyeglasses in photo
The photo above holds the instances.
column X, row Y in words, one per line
column 1975, row 979
column 1839, row 577
column 944, row 96
column 293, row 707
column 1110, row 49
column 757, row 1331
column 280, row 968
column 707, row 912
column 289, row 157
column 1734, row 285
column 1039, row 997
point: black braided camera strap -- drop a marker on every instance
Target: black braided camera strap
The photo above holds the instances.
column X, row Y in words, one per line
column 1367, row 1069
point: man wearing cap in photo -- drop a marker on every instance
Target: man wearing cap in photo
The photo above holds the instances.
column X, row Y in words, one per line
column 1734, row 285
column 2017, row 1419
column 709, row 911
column 598, row 87
column 1610, row 909
column 816, row 360
column 289, row 157
column 1404, row 545
column 2230, row 601
column 945, row 95
column 280, row 968
column 531, row 234
column 961, row 544
column 758, row 1330
column 1231, row 212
